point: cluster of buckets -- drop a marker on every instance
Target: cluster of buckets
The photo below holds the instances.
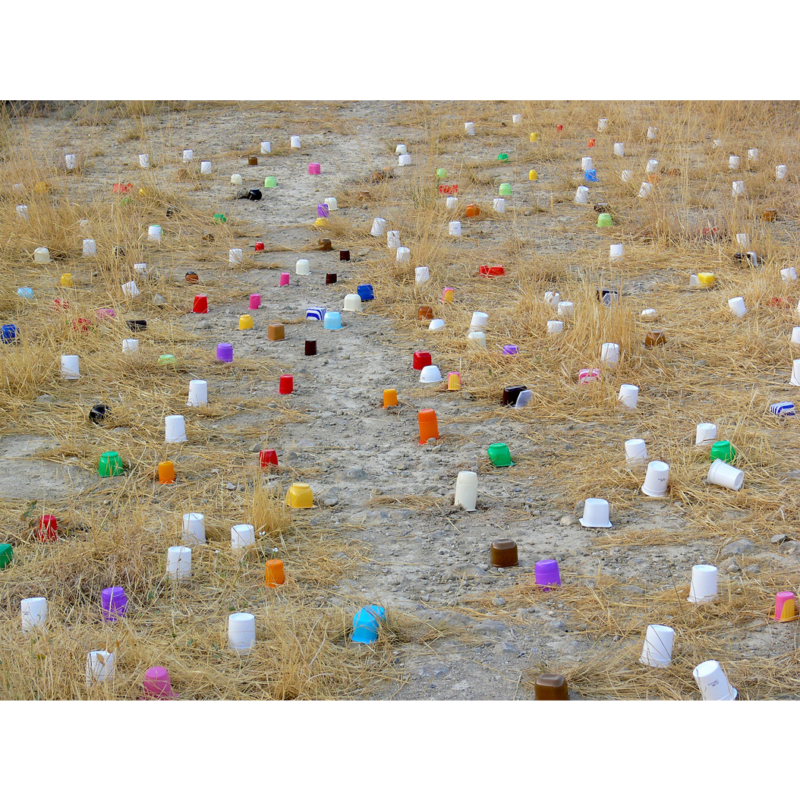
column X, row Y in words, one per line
column 101, row 664
column 657, row 651
column 658, row 644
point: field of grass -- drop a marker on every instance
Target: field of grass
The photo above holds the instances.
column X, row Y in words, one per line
column 714, row 367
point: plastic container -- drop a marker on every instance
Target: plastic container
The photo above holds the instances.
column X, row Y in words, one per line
column 723, row 474
column 656, row 482
column 225, row 352
column 511, row 393
column 657, row 650
column 609, row 354
column 466, row 490
column 157, row 685
column 241, row 632
column 595, row 513
column 706, row 433
column 174, row 429
column 267, row 459
column 332, row 321
column 430, row 374
column 389, row 398
column 628, row 395
column 428, row 425
column 110, row 465
column 366, row 624
column 504, row 553
column 274, row 575
column 785, row 610
column 100, row 667
column 198, row 394
column 6, row 555
column 70, row 368
column 166, row 472
column 33, row 611
column 551, row 686
column 703, row 588
column 114, row 603
column 179, row 563
column 421, row 359
column 713, row 682
column 500, row 455
column 723, row 450
column 300, row 496
column 635, row 452
column 194, row 529
column 352, row 302
column 242, row 535
column 547, row 574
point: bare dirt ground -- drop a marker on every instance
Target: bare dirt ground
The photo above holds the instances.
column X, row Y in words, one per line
column 374, row 485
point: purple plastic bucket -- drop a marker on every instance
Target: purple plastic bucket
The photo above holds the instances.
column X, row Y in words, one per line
column 115, row 603
column 547, row 573
column 225, row 352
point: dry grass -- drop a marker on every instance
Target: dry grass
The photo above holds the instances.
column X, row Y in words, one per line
column 714, row 367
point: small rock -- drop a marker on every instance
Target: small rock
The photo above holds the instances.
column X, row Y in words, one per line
column 790, row 548
column 356, row 473
column 566, row 520
column 159, row 301
column 557, row 625
column 492, row 626
column 425, row 598
column 739, row 546
column 778, row 539
column 498, row 601
column 631, row 589
column 731, row 565
column 230, row 486
column 45, row 399
column 330, row 500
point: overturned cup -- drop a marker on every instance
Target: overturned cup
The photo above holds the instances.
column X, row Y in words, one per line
column 635, row 452
column 628, row 395
column 706, row 433
column 703, row 588
column 657, row 479
column 657, row 650
column 723, row 474
column 713, row 682
column 595, row 513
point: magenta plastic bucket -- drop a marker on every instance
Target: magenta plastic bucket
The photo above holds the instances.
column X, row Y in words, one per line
column 547, row 573
column 114, row 602
column 157, row 684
